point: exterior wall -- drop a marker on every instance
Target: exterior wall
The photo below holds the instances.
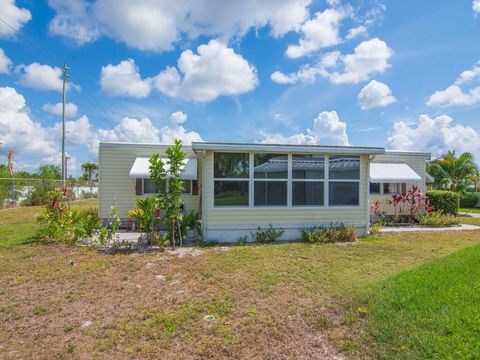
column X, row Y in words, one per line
column 418, row 163
column 115, row 161
column 226, row 224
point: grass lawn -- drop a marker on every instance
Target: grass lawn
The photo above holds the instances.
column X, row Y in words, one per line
column 470, row 210
column 430, row 312
column 268, row 301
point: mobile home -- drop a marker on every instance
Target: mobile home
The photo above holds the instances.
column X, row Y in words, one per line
column 238, row 187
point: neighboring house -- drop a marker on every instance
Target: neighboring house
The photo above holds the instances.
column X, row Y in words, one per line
column 238, row 187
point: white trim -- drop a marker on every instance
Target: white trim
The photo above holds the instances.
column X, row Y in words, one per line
column 285, row 148
column 289, row 181
column 326, row 187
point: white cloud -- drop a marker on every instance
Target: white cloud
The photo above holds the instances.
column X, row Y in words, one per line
column 476, row 6
column 358, row 31
column 74, row 20
column 124, row 80
column 144, row 131
column 158, row 25
column 56, row 109
column 320, row 32
column 375, row 94
column 18, row 131
column 42, row 77
column 368, row 58
column 214, row 71
column 178, row 117
column 436, row 135
column 5, row 63
column 78, row 132
column 327, row 130
column 454, row 95
column 14, row 16
column 308, row 73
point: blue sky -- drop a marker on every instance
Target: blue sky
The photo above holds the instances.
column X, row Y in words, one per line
column 400, row 74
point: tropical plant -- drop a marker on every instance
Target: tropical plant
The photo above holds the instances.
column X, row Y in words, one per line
column 396, row 200
column 144, row 213
column 376, row 213
column 89, row 168
column 169, row 201
column 190, row 221
column 454, row 172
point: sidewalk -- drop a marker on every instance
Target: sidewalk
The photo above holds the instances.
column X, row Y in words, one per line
column 427, row 229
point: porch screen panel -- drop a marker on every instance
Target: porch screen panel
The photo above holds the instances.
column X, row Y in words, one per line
column 231, row 176
column 344, row 180
column 270, row 179
column 308, row 176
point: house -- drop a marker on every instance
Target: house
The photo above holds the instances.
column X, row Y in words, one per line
column 238, row 187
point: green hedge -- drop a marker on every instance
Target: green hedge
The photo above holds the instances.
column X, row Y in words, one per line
column 469, row 199
column 446, row 201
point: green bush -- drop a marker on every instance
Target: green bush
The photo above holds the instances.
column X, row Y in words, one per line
column 448, row 202
column 268, row 235
column 469, row 199
column 64, row 224
column 436, row 219
column 331, row 234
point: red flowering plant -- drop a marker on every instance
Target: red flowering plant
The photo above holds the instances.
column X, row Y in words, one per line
column 417, row 203
column 396, row 200
column 376, row 213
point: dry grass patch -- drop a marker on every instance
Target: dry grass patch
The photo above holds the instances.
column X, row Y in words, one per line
column 266, row 301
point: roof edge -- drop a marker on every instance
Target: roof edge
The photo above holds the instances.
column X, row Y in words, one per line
column 222, row 146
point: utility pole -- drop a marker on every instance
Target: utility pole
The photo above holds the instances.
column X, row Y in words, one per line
column 64, row 100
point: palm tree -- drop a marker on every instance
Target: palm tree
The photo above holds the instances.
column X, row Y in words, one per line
column 88, row 169
column 454, row 173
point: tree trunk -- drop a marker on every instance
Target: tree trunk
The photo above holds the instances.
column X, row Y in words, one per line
column 173, row 233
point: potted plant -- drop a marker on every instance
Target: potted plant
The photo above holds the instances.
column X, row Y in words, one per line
column 190, row 224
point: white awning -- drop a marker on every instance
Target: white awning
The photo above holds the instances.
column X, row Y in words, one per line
column 392, row 173
column 141, row 168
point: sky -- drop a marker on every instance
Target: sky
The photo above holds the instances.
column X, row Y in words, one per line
column 400, row 74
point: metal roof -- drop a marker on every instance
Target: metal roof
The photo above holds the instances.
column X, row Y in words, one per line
column 286, row 148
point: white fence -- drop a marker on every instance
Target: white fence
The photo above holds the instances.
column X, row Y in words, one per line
column 26, row 192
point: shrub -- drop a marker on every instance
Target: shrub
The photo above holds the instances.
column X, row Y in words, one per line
column 448, row 202
column 376, row 227
column 268, row 235
column 242, row 240
column 436, row 219
column 190, row 221
column 469, row 199
column 66, row 225
column 332, row 234
column 143, row 212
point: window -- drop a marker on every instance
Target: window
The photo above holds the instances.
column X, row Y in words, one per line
column 231, row 179
column 308, row 174
column 374, row 188
column 187, row 186
column 148, row 186
column 394, row 188
column 344, row 180
column 270, row 179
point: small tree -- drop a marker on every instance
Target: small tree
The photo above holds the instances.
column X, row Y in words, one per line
column 169, row 199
